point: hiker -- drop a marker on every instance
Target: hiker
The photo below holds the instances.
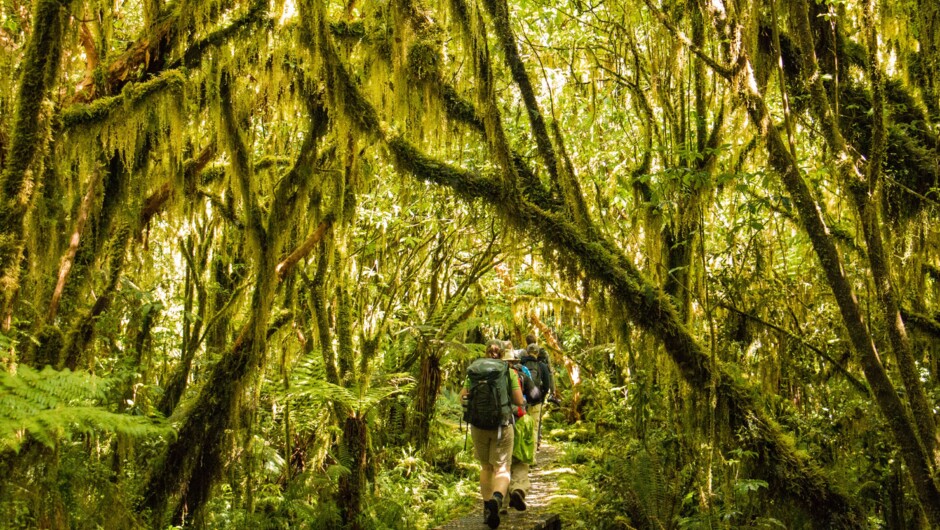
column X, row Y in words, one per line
column 523, row 451
column 547, row 380
column 488, row 394
column 531, row 389
column 535, row 360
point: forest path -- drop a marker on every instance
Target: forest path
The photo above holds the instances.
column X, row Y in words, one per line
column 543, row 476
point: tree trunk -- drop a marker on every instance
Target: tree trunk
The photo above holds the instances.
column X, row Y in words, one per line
column 811, row 217
column 39, row 71
column 352, row 485
column 429, row 385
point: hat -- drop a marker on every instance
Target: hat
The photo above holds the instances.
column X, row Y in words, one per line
column 509, row 355
column 533, row 350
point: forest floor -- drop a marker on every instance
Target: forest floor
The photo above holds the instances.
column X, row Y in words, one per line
column 544, row 478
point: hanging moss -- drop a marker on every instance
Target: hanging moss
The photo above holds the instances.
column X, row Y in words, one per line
column 133, row 97
column 344, row 91
column 39, row 70
column 41, row 51
column 254, row 17
column 470, row 186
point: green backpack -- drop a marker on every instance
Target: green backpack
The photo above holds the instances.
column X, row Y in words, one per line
column 488, row 403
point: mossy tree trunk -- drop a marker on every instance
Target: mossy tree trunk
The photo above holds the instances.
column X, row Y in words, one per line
column 352, row 485
column 195, row 460
column 429, row 385
column 811, row 218
column 27, row 142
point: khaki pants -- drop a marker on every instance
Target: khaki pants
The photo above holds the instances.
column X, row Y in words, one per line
column 536, row 412
column 519, row 477
column 493, row 449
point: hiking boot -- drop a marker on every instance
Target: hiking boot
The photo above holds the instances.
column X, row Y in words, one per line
column 517, row 500
column 491, row 513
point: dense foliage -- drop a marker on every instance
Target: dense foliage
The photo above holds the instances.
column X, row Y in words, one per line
column 248, row 247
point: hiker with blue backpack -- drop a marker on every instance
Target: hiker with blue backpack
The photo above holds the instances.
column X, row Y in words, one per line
column 523, row 447
column 535, row 359
column 489, row 393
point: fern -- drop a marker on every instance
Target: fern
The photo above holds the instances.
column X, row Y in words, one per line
column 309, row 382
column 51, row 404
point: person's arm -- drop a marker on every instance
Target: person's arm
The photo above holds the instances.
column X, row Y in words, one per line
column 515, row 390
column 549, row 379
column 517, row 398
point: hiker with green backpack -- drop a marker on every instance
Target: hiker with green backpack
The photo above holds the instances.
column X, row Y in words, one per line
column 488, row 395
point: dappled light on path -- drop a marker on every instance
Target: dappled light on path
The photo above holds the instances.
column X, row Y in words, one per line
column 537, row 516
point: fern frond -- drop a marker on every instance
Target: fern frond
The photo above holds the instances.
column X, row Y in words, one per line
column 308, row 381
column 52, row 404
column 459, row 329
column 376, row 395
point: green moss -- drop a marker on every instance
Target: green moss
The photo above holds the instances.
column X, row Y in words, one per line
column 132, row 98
column 345, row 93
column 40, row 52
column 256, row 15
column 30, row 130
column 348, row 30
column 424, row 62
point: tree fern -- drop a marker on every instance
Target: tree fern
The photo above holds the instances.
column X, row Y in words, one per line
column 309, row 382
column 51, row 404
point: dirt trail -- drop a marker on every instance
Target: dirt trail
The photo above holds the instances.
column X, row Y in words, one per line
column 543, row 476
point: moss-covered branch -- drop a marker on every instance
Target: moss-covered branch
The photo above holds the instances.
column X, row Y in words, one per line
column 499, row 11
column 922, row 322
column 254, row 17
column 285, row 266
column 462, row 111
column 301, row 173
column 240, row 162
column 146, row 49
column 560, row 172
column 341, row 88
column 861, row 387
column 132, row 97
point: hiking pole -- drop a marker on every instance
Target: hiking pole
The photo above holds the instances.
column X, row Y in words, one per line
column 538, row 442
